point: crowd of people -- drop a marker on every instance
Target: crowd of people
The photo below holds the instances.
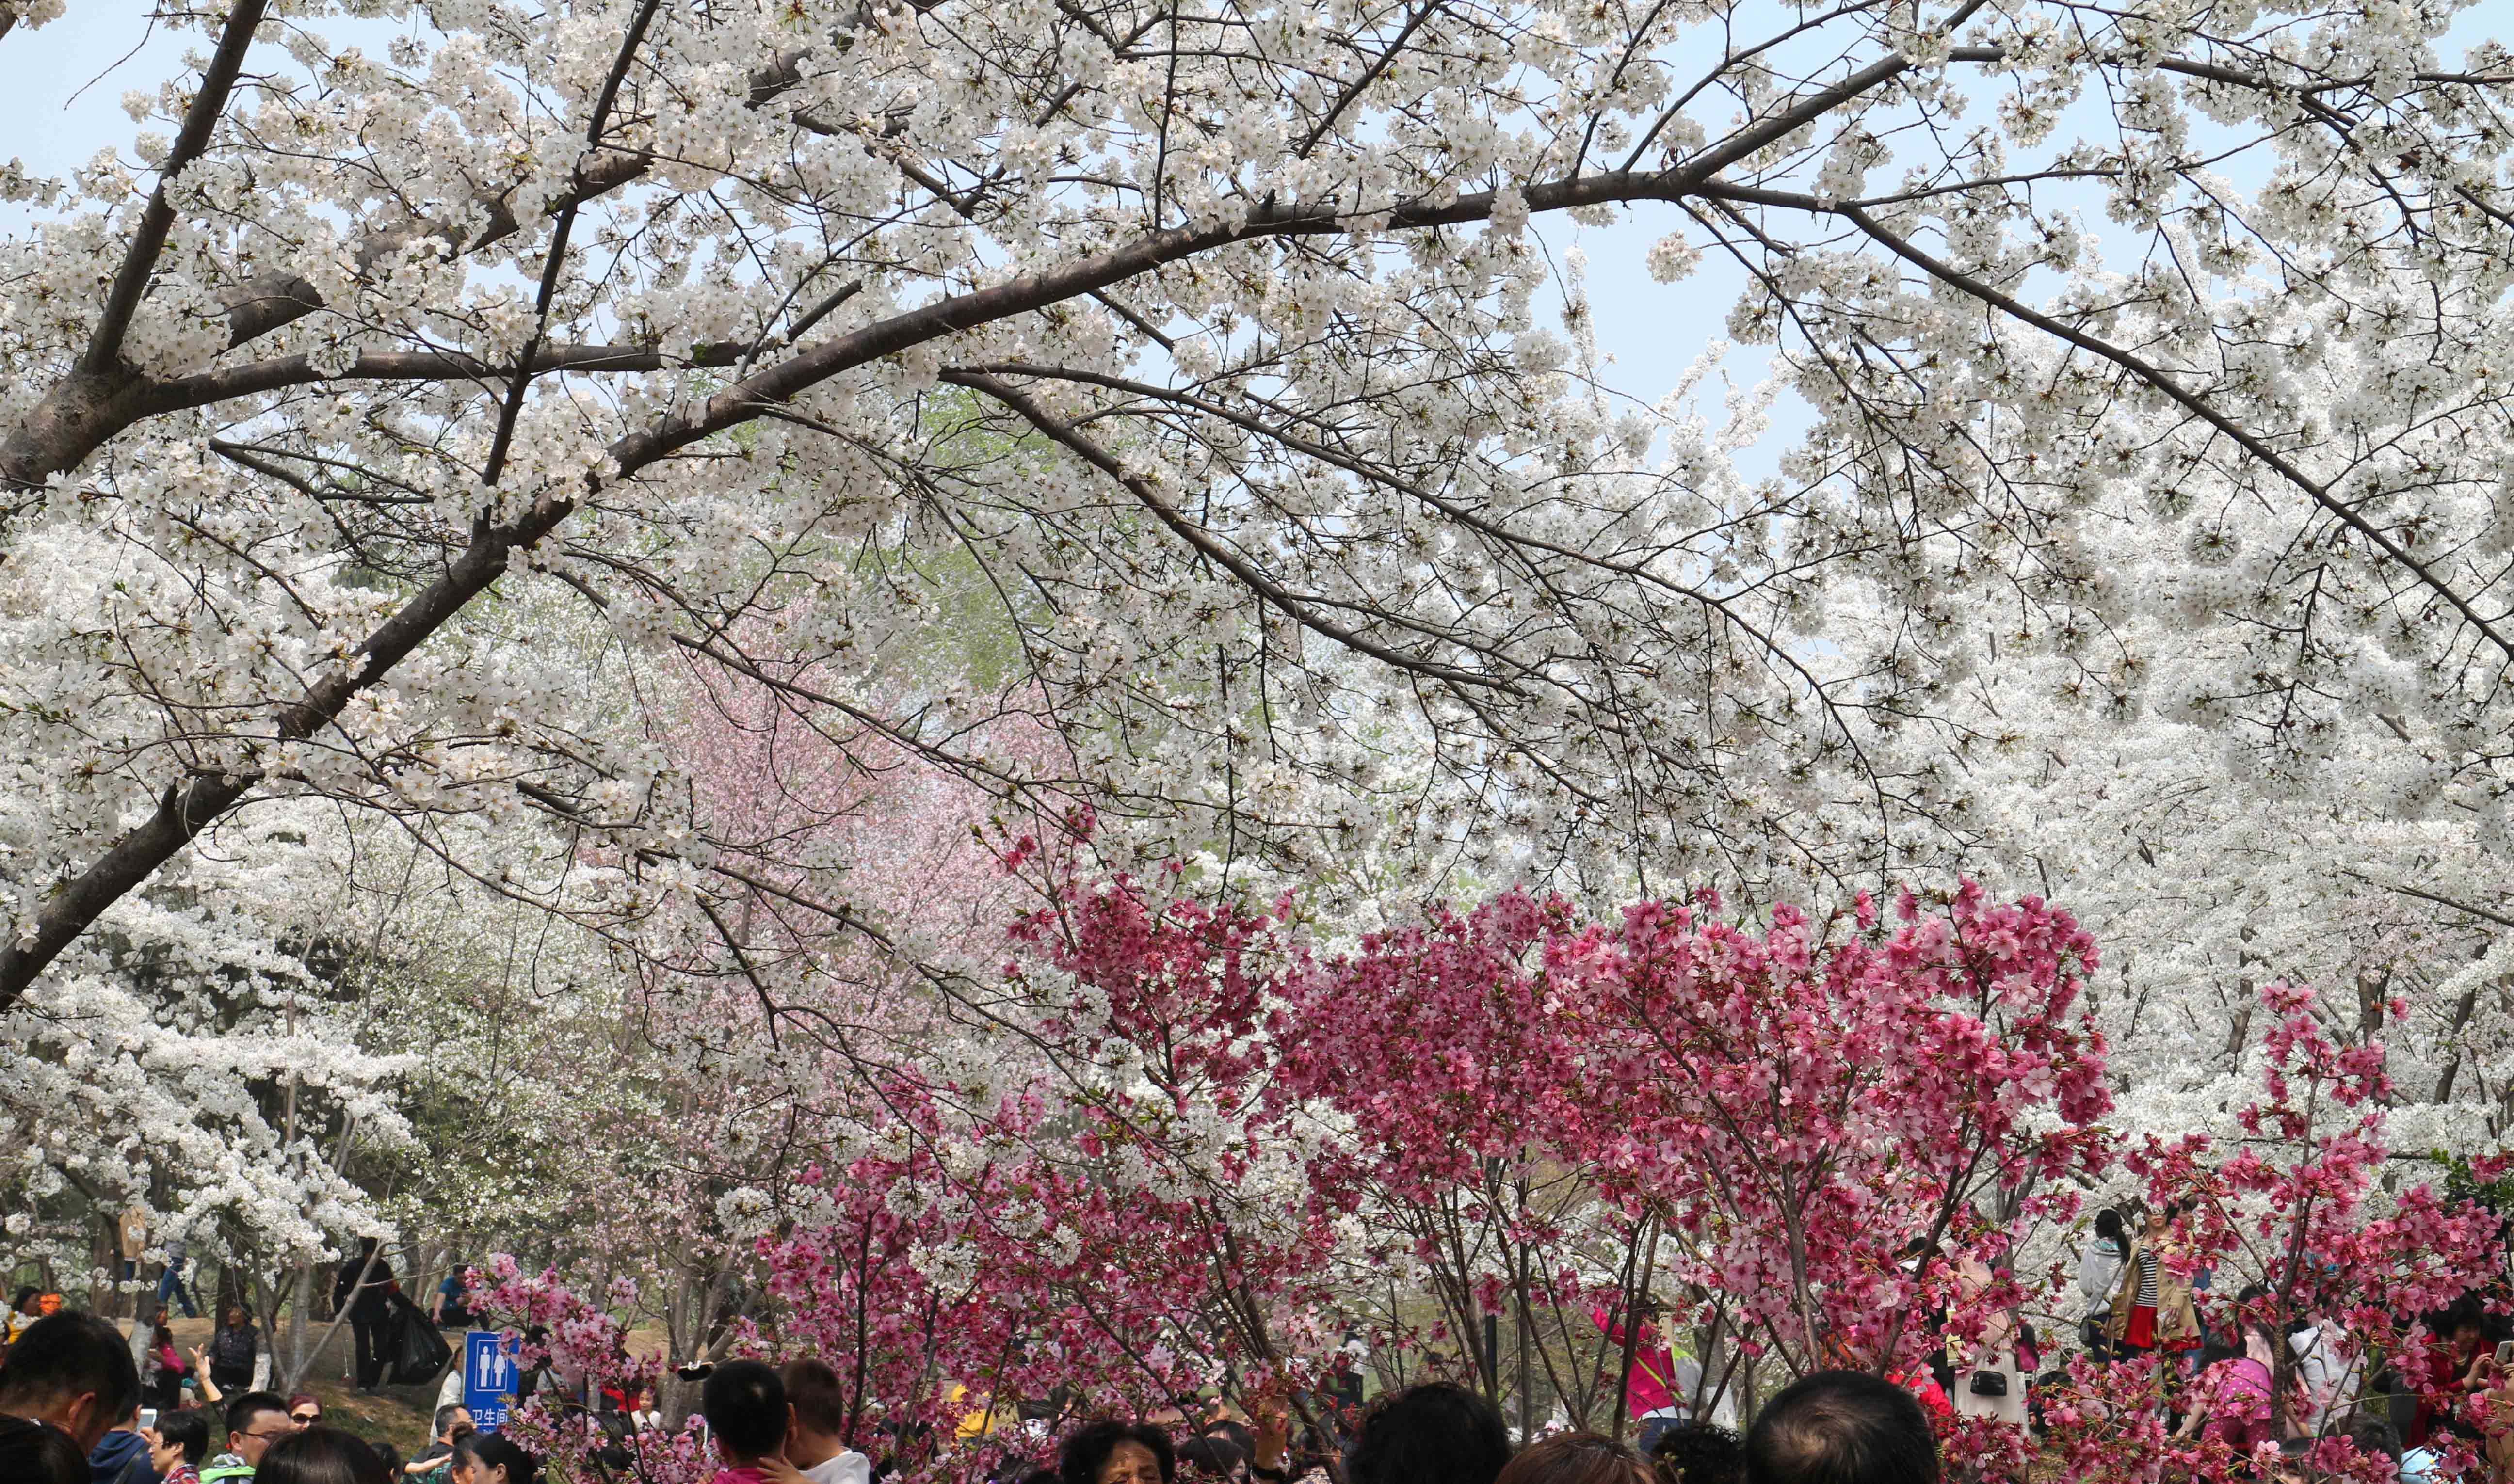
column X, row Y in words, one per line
column 81, row 1402
column 1829, row 1428
column 71, row 1409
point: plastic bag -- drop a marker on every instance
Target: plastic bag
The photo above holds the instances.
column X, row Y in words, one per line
column 419, row 1357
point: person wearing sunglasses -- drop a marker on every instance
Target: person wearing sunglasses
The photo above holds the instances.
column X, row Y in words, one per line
column 304, row 1410
column 254, row 1421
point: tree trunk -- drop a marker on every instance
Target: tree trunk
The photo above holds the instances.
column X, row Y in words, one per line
column 105, row 1261
column 300, row 1299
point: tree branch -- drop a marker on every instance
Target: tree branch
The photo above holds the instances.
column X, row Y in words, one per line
column 1250, row 576
column 2155, row 377
column 554, row 259
column 140, row 260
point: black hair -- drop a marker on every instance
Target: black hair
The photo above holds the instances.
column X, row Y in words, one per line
column 818, row 1397
column 241, row 1410
column 745, row 1402
column 1699, row 1453
column 187, row 1430
column 1087, row 1448
column 18, row 1304
column 321, row 1455
column 487, row 1450
column 2465, row 1313
column 2108, row 1224
column 39, row 1453
column 1211, row 1454
column 1841, row 1427
column 2371, row 1433
column 1434, row 1433
column 65, row 1356
column 444, row 1418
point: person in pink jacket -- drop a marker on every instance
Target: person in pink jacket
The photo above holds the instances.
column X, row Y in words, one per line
column 1650, row 1386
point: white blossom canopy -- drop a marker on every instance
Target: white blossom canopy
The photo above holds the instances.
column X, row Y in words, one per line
column 382, row 429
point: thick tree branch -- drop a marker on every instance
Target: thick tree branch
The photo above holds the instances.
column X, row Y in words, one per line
column 190, row 804
column 210, row 387
column 91, row 410
column 200, row 121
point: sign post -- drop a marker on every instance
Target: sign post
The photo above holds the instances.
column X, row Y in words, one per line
column 488, row 1378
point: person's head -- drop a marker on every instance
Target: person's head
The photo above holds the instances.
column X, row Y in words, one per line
column 448, row 1419
column 257, row 1419
column 485, row 1458
column 42, row 1456
column 159, row 1336
column 2108, row 1224
column 2371, row 1433
column 1116, row 1453
column 235, row 1316
column 1575, row 1457
column 366, row 1247
column 24, row 1302
column 1434, row 1433
column 48, row 1304
column 1209, row 1456
column 2456, row 1325
column 1841, row 1427
column 180, row 1438
column 744, row 1406
column 1699, row 1453
column 73, row 1371
column 321, row 1456
column 816, row 1406
column 305, row 1410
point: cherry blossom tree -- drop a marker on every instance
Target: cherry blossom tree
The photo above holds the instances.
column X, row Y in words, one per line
column 1203, row 347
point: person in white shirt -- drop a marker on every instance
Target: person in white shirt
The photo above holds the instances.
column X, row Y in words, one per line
column 2098, row 1273
column 2326, row 1370
column 815, row 1425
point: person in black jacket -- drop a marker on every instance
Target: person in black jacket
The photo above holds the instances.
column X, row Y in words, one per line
column 363, row 1290
column 233, row 1349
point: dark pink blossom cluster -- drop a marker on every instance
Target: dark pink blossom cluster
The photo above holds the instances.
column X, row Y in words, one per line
column 1828, row 1137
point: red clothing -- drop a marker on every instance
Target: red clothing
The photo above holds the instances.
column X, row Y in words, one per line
column 2140, row 1333
column 2439, row 1369
column 1926, row 1389
column 1647, row 1389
